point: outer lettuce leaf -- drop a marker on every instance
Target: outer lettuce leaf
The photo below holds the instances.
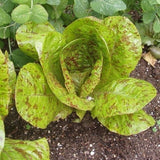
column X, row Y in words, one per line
column 35, row 101
column 128, row 124
column 124, row 46
column 11, row 78
column 25, row 150
column 123, row 96
column 30, row 37
column 80, row 115
column 5, row 85
column 2, row 135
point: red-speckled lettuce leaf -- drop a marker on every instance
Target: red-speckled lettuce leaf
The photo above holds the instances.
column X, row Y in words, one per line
column 7, row 83
column 30, row 37
column 2, row 134
column 35, row 101
column 128, row 124
column 124, row 47
column 25, row 150
column 123, row 96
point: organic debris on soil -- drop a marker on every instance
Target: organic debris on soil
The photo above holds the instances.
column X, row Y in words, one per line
column 89, row 140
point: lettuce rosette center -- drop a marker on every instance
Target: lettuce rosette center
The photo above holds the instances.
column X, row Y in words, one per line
column 83, row 61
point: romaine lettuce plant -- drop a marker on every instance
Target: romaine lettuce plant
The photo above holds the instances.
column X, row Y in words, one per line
column 9, row 148
column 86, row 68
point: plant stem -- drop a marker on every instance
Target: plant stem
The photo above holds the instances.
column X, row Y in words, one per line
column 9, row 45
column 31, row 3
column 8, row 26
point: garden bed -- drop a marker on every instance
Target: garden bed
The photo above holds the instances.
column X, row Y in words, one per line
column 89, row 139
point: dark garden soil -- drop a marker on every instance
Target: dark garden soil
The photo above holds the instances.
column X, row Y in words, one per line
column 89, row 140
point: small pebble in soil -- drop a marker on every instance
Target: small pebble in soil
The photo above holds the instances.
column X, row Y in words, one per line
column 92, row 152
column 59, row 145
column 91, row 145
column 89, row 98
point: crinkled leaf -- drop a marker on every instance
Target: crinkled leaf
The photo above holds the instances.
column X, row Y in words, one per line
column 80, row 8
column 148, row 17
column 123, row 96
column 154, row 2
column 39, row 14
column 123, row 43
column 128, row 124
column 28, row 2
column 35, row 100
column 25, row 150
column 49, row 59
column 156, row 25
column 7, row 5
column 39, row 1
column 21, row 14
column 19, row 58
column 4, row 18
column 2, row 134
column 58, row 9
column 4, row 32
column 107, row 7
column 58, row 24
column 55, row 2
column 5, row 90
column 144, row 32
column 21, row 1
column 30, row 34
column 147, row 6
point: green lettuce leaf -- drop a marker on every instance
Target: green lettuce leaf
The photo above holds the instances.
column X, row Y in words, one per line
column 35, row 101
column 2, row 135
column 30, row 37
column 5, row 89
column 107, row 7
column 128, row 124
column 124, row 47
column 11, row 78
column 25, row 150
column 123, row 96
column 80, row 115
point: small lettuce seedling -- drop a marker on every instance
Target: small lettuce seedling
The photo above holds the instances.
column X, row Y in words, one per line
column 86, row 68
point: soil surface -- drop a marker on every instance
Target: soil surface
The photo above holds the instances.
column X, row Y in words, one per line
column 89, row 140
